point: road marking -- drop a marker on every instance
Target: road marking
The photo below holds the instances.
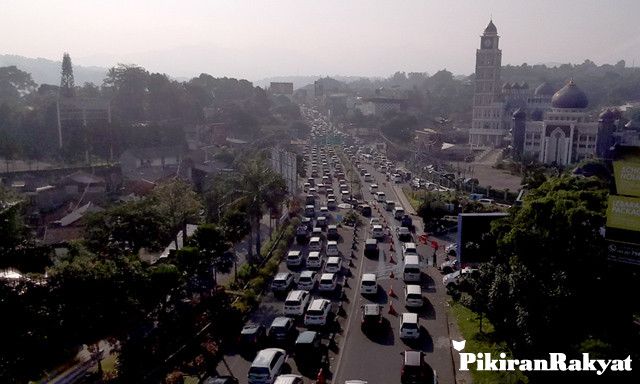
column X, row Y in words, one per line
column 349, row 318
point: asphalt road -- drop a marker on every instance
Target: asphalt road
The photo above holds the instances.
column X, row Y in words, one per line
column 379, row 359
column 351, row 353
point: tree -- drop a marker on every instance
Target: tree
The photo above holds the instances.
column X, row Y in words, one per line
column 14, row 84
column 67, row 84
column 551, row 267
column 211, row 242
column 178, row 204
column 128, row 86
column 257, row 187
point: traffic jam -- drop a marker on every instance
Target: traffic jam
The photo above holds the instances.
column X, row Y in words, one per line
column 357, row 298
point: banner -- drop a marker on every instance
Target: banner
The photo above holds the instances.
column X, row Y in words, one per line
column 624, row 213
column 627, row 176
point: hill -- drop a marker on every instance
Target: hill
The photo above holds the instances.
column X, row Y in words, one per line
column 45, row 71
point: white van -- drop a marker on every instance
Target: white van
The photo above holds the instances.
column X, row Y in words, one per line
column 413, row 296
column 332, row 248
column 296, row 302
column 398, row 212
column 315, row 244
column 411, row 268
column 369, row 284
column 381, row 197
column 266, row 366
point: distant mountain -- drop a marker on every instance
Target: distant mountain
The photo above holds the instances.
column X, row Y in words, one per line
column 303, row 81
column 44, row 71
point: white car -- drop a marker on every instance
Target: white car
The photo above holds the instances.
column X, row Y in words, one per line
column 453, row 279
column 332, row 248
column 369, row 283
column 374, row 220
column 404, row 234
column 294, row 258
column 317, row 312
column 373, row 188
column 314, row 260
column 266, row 366
column 328, row 282
column 409, row 326
column 333, row 265
column 307, row 280
column 377, row 232
column 289, row 379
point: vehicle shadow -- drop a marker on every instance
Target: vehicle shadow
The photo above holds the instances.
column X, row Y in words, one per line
column 380, row 297
column 427, row 283
column 383, row 336
column 427, row 311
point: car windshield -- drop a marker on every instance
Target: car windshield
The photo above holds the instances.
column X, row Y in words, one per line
column 410, row 326
column 412, row 270
column 314, row 312
column 368, row 282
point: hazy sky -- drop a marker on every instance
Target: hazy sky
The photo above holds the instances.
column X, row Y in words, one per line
column 257, row 39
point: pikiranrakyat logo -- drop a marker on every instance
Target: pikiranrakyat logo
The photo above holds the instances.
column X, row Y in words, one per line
column 555, row 362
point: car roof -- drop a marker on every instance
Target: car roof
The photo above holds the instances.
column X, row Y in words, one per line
column 315, row 238
column 295, row 294
column 371, row 241
column 368, row 276
column 333, row 259
column 410, row 245
column 280, row 321
column 287, row 379
column 307, row 273
column 264, row 357
column 325, row 276
column 408, row 317
column 332, row 226
column 413, row 358
column 414, row 288
column 332, row 242
column 377, row 226
column 294, row 252
column 282, row 275
column 306, row 337
column 314, row 254
column 371, row 309
column 318, row 303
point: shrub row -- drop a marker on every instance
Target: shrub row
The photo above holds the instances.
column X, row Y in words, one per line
column 256, row 277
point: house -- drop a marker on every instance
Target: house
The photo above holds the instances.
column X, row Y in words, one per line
column 69, row 227
column 151, row 164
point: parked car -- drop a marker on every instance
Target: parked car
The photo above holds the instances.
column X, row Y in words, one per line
column 369, row 284
column 318, row 312
column 314, row 260
column 289, row 379
column 308, row 350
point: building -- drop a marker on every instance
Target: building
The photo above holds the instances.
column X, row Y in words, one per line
column 151, row 164
column 278, row 89
column 563, row 136
column 378, row 106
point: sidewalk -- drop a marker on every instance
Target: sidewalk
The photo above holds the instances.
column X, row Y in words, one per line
column 242, row 250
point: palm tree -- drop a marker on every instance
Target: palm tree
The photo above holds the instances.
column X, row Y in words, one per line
column 258, row 187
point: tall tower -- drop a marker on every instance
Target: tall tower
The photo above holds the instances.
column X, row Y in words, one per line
column 487, row 120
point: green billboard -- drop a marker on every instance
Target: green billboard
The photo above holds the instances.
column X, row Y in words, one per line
column 627, row 176
column 624, row 213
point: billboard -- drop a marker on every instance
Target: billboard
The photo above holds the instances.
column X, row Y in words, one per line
column 474, row 243
column 623, row 212
column 627, row 176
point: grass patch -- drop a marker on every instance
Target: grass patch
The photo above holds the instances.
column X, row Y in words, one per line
column 415, row 199
column 468, row 324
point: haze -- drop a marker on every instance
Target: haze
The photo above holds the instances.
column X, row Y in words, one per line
column 257, row 39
